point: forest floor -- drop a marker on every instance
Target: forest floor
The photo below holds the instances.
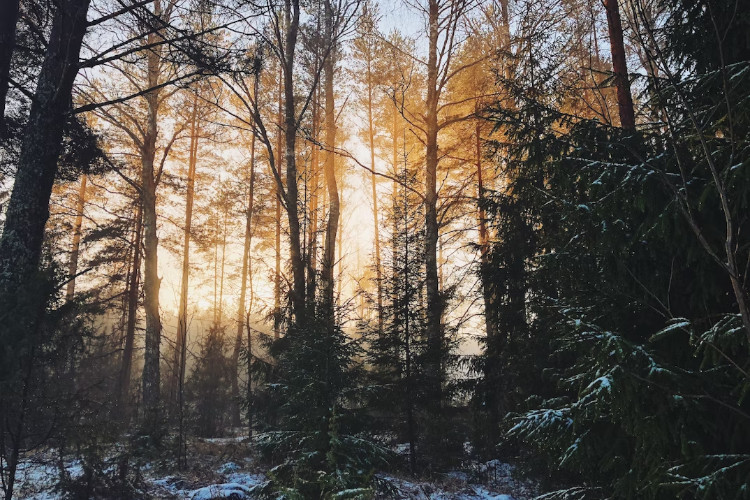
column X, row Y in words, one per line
column 228, row 468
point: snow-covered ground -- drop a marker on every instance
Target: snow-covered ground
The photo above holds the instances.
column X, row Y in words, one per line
column 479, row 481
column 225, row 469
column 38, row 476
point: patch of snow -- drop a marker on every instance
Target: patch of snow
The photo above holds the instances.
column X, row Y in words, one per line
column 227, row 490
column 246, row 479
column 401, row 449
column 175, row 485
column 36, row 478
column 406, row 489
column 481, row 493
column 228, row 468
column 224, row 440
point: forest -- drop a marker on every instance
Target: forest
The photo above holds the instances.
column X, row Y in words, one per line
column 359, row 249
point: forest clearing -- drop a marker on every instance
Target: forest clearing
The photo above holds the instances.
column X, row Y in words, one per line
column 355, row 249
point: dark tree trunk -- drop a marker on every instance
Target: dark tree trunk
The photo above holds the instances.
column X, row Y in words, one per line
column 373, row 180
column 181, row 340
column 75, row 250
column 432, row 285
column 8, row 19
column 314, row 183
column 290, row 139
column 151, row 281
column 241, row 312
column 126, row 363
column 619, row 65
column 28, row 207
column 277, row 244
column 329, row 250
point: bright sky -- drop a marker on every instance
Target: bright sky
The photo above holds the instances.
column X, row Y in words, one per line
column 357, row 224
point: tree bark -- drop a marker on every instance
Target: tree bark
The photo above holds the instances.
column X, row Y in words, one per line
column 312, row 234
column 74, row 251
column 340, row 259
column 28, row 208
column 8, row 19
column 373, row 181
column 329, row 251
column 181, row 340
column 243, row 286
column 223, row 262
column 127, row 354
column 434, row 300
column 277, row 247
column 151, row 281
column 292, row 13
column 619, row 65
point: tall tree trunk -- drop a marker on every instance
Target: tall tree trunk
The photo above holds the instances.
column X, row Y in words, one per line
column 126, row 362
column 394, row 187
column 8, row 19
column 483, row 235
column 216, row 279
column 180, row 352
column 277, row 273
column 181, row 340
column 223, row 264
column 312, row 237
column 74, row 251
column 277, row 268
column 373, row 180
column 408, row 288
column 329, row 251
column 434, row 300
column 619, row 65
column 243, row 286
column 27, row 211
column 340, row 259
column 292, row 13
column 249, row 331
column 151, row 281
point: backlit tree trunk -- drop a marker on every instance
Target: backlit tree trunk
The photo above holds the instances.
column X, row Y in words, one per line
column 243, row 284
column 181, row 340
column 434, row 301
column 74, row 251
column 312, row 233
column 292, row 13
column 619, row 65
column 126, row 362
column 278, row 191
column 151, row 281
column 373, row 181
column 329, row 251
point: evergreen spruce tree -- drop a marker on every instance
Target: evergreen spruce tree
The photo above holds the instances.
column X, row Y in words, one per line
column 627, row 298
column 209, row 385
column 395, row 355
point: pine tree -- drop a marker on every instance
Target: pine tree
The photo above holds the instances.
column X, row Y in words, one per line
column 208, row 388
